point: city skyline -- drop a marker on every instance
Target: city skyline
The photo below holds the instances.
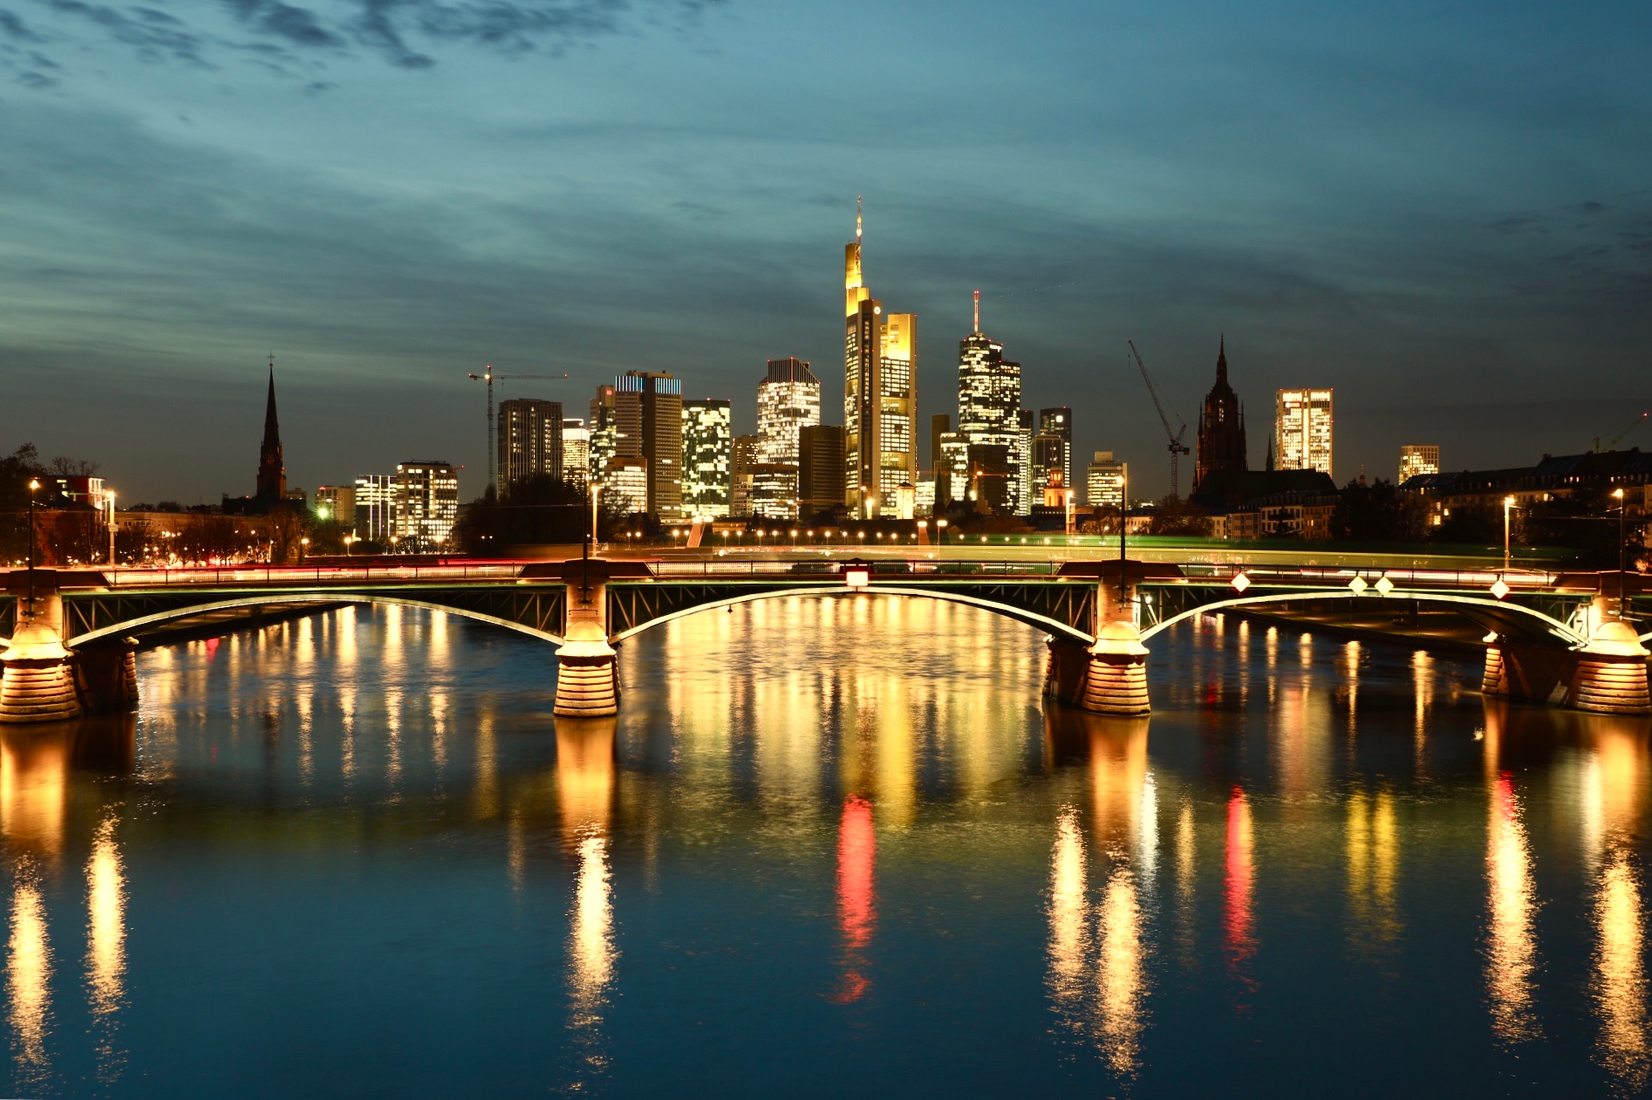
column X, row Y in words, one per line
column 388, row 206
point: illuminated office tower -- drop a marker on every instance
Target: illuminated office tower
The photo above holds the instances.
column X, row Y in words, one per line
column 1418, row 458
column 1023, row 460
column 773, row 490
column 742, row 458
column 787, row 400
column 625, row 484
column 1053, row 446
column 1221, row 442
column 427, row 504
column 375, row 511
column 989, row 411
column 608, row 440
column 648, row 422
column 880, row 394
column 1106, row 480
column 529, row 432
column 1302, row 430
column 708, row 445
column 576, row 452
column 336, row 503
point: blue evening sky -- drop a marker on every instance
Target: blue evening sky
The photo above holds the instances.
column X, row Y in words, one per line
column 1443, row 210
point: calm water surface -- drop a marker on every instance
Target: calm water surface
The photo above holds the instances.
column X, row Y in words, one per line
column 829, row 845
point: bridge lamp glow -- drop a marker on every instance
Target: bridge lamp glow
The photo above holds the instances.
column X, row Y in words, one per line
column 1499, row 588
column 1240, row 582
column 1384, row 585
column 1358, row 586
column 857, row 577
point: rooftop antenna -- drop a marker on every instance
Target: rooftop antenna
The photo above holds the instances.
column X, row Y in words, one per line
column 977, row 310
column 857, row 217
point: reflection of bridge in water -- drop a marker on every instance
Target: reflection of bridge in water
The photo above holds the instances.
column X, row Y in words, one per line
column 1548, row 637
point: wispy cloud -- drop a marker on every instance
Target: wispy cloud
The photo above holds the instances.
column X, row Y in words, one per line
column 293, row 39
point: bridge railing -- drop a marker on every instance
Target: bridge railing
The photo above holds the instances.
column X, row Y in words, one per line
column 213, row 576
column 885, row 568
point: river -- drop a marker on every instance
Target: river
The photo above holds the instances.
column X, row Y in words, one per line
column 829, row 845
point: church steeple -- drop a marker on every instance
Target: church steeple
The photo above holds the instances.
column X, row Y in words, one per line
column 272, row 470
column 1222, row 360
column 1221, row 426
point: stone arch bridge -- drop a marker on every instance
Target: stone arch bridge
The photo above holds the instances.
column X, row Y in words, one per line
column 70, row 649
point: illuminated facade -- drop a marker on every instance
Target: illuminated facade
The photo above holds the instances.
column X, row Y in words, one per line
column 427, row 504
column 788, row 400
column 1221, row 444
column 989, row 409
column 708, row 452
column 374, row 518
column 880, row 394
column 336, row 503
column 604, row 431
column 529, row 434
column 774, row 490
column 576, row 452
column 1302, row 430
column 1052, row 446
column 1106, row 480
column 625, row 484
column 742, row 458
column 1418, row 458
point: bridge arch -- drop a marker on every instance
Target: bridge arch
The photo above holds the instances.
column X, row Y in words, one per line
column 1505, row 613
column 1021, row 615
column 136, row 625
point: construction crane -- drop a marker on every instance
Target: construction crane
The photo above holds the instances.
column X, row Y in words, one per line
column 488, row 376
column 1175, row 446
column 1612, row 443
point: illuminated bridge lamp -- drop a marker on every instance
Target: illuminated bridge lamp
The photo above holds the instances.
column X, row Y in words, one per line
column 1358, row 586
column 1383, row 585
column 1240, row 582
column 1500, row 588
column 857, row 576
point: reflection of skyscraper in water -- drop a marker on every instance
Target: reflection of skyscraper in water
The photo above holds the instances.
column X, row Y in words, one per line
column 1239, row 931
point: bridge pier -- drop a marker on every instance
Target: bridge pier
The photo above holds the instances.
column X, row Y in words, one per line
column 587, row 675
column 36, row 681
column 1606, row 676
column 1116, row 681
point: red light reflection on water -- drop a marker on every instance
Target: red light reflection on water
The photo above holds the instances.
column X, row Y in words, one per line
column 857, row 849
column 1237, row 921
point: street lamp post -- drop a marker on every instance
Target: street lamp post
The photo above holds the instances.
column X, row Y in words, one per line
column 1508, row 507
column 1623, row 505
column 34, row 487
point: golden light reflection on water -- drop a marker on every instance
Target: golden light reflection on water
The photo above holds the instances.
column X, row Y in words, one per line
column 872, row 669
column 1615, row 795
column 1511, row 943
column 1373, row 857
column 1122, row 985
column 1097, row 980
column 106, row 946
column 585, row 794
column 29, row 977
column 34, row 771
column 1069, row 907
column 1423, row 673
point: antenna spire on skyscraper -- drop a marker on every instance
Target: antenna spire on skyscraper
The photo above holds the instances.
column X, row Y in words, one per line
column 857, row 217
column 977, row 327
